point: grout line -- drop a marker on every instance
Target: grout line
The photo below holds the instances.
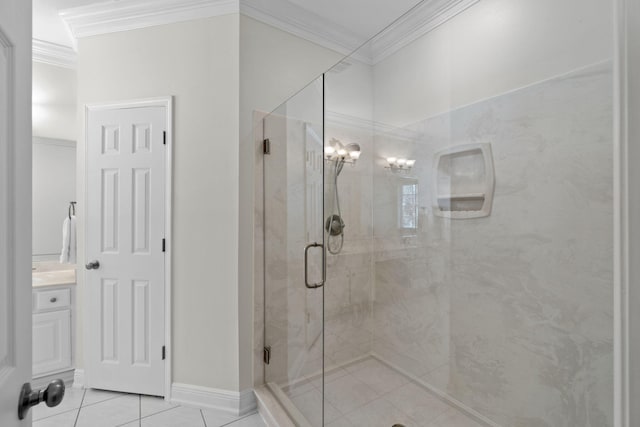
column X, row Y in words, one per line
column 380, row 395
column 140, row 417
column 203, row 419
column 101, row 401
column 126, row 423
column 154, row 414
column 238, row 419
column 84, row 393
column 56, row 414
column 120, row 395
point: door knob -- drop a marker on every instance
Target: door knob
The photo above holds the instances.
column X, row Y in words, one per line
column 93, row 265
column 52, row 396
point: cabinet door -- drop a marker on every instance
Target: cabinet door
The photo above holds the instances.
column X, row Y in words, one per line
column 51, row 341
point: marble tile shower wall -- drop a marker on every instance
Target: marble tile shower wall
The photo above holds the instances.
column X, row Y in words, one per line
column 348, row 289
column 510, row 314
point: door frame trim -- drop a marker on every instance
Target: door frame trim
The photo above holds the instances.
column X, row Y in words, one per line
column 167, row 102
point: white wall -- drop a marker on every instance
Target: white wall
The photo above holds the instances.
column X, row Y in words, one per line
column 54, row 186
column 274, row 66
column 197, row 63
column 493, row 47
column 349, row 90
column 54, row 102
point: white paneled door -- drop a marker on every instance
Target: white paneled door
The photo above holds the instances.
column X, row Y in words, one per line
column 125, row 232
column 15, row 207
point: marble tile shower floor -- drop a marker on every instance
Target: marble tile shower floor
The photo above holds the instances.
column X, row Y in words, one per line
column 368, row 393
column 98, row 408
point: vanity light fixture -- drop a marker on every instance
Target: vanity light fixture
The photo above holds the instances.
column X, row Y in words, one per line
column 354, row 151
column 400, row 164
column 336, row 150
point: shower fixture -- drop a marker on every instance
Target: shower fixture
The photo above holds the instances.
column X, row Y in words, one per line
column 337, row 154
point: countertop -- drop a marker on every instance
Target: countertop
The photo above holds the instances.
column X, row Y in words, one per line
column 53, row 274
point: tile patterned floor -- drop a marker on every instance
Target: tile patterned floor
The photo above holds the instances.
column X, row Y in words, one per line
column 97, row 408
column 370, row 393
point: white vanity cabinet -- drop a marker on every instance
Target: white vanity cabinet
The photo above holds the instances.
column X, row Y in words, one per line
column 52, row 331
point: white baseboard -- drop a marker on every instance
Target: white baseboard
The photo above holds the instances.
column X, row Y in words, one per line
column 234, row 402
column 78, row 378
column 248, row 402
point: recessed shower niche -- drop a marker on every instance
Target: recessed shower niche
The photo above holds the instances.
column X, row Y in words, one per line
column 464, row 181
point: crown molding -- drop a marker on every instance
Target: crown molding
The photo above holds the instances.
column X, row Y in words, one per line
column 115, row 16
column 291, row 18
column 424, row 18
column 54, row 54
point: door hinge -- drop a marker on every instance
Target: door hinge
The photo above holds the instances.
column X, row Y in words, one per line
column 163, row 245
column 266, row 146
column 267, row 355
column 164, row 352
column 164, row 137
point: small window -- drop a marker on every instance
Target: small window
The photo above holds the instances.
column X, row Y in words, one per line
column 408, row 207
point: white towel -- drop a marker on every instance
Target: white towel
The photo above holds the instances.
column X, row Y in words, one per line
column 68, row 253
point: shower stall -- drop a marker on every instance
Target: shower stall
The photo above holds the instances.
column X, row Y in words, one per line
column 437, row 224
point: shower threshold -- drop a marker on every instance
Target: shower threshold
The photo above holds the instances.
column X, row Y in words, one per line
column 370, row 392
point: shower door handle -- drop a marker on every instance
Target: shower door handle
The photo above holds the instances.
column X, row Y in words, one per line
column 306, row 266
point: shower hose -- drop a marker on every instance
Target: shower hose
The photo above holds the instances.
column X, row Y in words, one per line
column 332, row 247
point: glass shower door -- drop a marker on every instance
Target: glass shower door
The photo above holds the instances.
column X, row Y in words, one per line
column 294, row 254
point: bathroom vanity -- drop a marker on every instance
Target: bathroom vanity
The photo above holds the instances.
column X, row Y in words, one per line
column 53, row 313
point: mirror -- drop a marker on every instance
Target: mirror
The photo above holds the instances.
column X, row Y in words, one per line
column 54, row 186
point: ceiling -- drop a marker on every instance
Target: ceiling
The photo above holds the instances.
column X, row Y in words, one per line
column 362, row 18
column 48, row 26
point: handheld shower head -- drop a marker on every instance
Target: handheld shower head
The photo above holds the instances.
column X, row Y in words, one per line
column 338, row 154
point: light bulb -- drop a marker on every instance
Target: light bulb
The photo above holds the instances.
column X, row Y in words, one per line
column 342, row 152
column 329, row 150
column 402, row 162
column 410, row 163
column 391, row 161
column 355, row 155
